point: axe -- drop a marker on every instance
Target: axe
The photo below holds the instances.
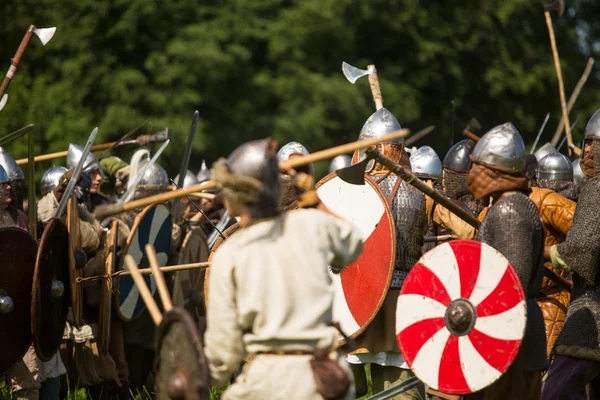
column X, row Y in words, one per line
column 473, row 123
column 45, row 35
column 559, row 7
column 353, row 74
column 104, row 211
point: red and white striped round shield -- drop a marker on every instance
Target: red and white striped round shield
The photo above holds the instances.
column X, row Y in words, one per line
column 361, row 287
column 461, row 317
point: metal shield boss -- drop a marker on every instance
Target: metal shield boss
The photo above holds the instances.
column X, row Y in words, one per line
column 151, row 226
column 51, row 293
column 460, row 317
column 17, row 264
column 361, row 288
column 181, row 369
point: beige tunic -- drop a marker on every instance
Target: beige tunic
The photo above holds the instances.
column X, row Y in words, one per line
column 270, row 290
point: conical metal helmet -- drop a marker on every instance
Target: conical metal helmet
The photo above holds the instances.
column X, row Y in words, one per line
column 457, row 159
column 10, row 166
column 379, row 124
column 3, row 175
column 543, row 151
column 204, row 173
column 189, row 180
column 50, row 179
column 555, row 167
column 340, row 162
column 503, row 147
column 425, row 163
column 592, row 130
column 250, row 159
column 290, row 148
column 74, row 155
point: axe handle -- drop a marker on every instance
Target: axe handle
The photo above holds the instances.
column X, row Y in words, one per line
column 410, row 178
column 144, row 291
column 375, row 89
column 471, row 135
column 16, row 60
column 59, row 154
column 159, row 278
column 572, row 99
column 561, row 86
column 417, row 137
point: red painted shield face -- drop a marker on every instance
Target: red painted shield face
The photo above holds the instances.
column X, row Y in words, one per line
column 362, row 286
column 461, row 317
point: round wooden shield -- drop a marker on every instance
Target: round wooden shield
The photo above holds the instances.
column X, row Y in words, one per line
column 17, row 264
column 151, row 226
column 50, row 307
column 226, row 233
column 182, row 370
column 361, row 288
column 461, row 317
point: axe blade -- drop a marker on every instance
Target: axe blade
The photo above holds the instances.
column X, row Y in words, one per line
column 354, row 174
column 352, row 73
column 3, row 101
column 45, row 34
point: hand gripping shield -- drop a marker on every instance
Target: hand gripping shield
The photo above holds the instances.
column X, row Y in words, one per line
column 461, row 317
column 361, row 288
column 181, row 369
column 51, row 293
column 151, row 226
column 17, row 264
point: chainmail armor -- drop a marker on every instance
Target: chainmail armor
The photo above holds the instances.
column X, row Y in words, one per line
column 408, row 209
column 455, row 183
column 514, row 228
column 566, row 188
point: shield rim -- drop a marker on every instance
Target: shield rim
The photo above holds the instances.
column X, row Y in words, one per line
column 72, row 223
column 227, row 233
column 15, row 229
column 388, row 210
column 132, row 232
column 106, row 290
column 34, row 333
column 179, row 315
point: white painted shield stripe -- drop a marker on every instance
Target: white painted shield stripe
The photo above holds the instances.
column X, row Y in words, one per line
column 361, row 204
column 413, row 308
column 426, row 364
column 134, row 249
column 478, row 373
column 128, row 306
column 491, row 269
column 442, row 262
column 341, row 312
column 162, row 259
column 509, row 325
column 160, row 215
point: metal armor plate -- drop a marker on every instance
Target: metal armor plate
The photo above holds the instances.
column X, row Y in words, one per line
column 361, row 287
column 17, row 264
column 181, row 370
column 461, row 317
column 51, row 293
column 151, row 226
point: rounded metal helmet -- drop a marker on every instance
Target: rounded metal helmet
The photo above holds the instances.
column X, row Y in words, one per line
column 3, row 175
column 74, row 155
column 545, row 150
column 340, row 162
column 379, row 124
column 425, row 163
column 189, row 180
column 592, row 130
column 50, row 179
column 290, row 148
column 203, row 174
column 502, row 147
column 250, row 159
column 457, row 158
column 155, row 180
column 10, row 166
column 555, row 167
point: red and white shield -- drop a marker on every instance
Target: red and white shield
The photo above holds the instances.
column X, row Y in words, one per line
column 361, row 287
column 461, row 317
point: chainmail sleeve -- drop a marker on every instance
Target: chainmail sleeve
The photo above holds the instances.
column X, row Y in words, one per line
column 513, row 227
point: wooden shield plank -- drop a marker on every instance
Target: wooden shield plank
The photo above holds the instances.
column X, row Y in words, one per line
column 361, row 288
column 182, row 370
column 17, row 265
column 49, row 310
column 151, row 226
column 460, row 317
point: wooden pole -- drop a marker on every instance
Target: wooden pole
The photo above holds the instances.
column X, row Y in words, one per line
column 159, row 278
column 59, row 154
column 375, row 89
column 144, row 291
column 146, row 271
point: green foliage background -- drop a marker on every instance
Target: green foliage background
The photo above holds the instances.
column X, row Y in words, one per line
column 272, row 68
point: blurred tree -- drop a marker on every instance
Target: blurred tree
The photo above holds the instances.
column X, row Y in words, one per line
column 272, row 68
